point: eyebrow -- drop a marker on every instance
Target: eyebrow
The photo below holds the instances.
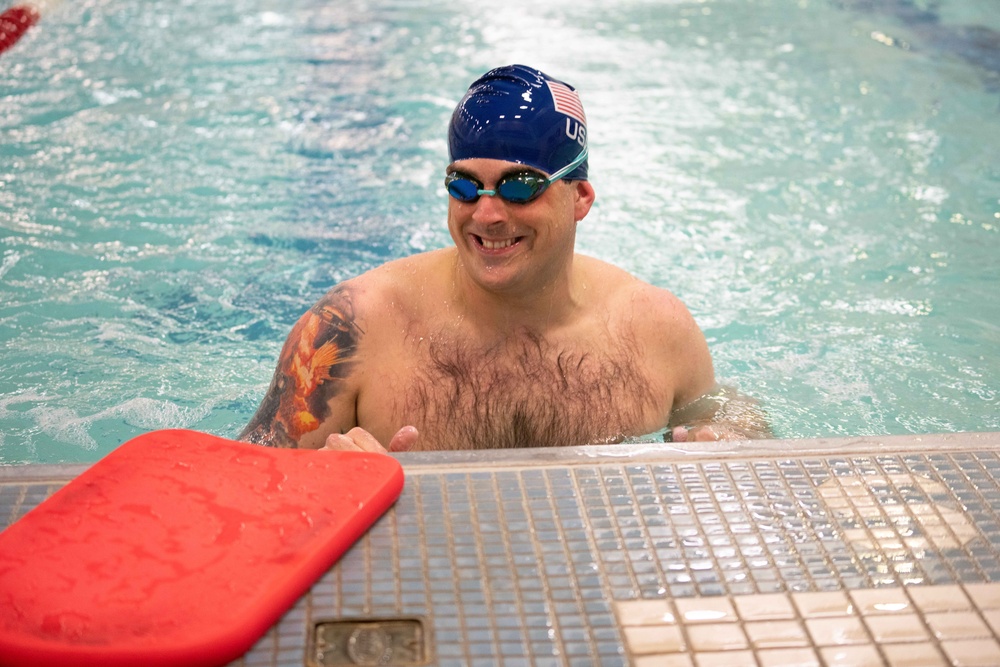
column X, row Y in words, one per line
column 451, row 169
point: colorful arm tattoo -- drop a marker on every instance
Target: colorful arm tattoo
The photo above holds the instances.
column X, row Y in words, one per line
column 318, row 352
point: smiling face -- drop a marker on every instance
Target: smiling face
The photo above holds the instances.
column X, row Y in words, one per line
column 508, row 248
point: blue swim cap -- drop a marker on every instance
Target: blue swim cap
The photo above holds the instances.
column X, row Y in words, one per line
column 518, row 114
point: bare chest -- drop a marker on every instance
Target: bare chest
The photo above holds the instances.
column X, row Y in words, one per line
column 521, row 393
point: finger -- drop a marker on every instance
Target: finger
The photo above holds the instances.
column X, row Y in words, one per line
column 703, row 434
column 404, row 440
column 355, row 440
column 339, row 442
column 679, row 434
column 365, row 441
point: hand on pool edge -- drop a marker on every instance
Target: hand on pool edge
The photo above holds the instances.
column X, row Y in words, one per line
column 360, row 440
column 721, row 414
column 696, row 434
column 712, row 433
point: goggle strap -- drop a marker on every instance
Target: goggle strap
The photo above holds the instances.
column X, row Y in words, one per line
column 545, row 183
column 570, row 167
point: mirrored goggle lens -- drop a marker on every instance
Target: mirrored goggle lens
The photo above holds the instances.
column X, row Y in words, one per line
column 517, row 188
column 521, row 188
column 463, row 189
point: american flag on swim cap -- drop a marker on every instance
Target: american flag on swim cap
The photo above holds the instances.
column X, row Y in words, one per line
column 567, row 101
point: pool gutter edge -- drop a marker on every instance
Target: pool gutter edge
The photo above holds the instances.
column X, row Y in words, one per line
column 646, row 452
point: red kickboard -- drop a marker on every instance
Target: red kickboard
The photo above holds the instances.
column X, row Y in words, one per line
column 14, row 22
column 180, row 548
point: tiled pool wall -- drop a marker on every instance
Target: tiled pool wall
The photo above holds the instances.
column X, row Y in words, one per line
column 881, row 551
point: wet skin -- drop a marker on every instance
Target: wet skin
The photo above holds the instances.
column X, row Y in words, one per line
column 507, row 339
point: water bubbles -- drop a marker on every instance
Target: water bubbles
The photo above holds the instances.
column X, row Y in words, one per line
column 178, row 186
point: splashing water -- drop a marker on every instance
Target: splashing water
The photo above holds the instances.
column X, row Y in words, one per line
column 180, row 181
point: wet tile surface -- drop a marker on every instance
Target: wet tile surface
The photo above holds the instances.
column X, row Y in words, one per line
column 882, row 558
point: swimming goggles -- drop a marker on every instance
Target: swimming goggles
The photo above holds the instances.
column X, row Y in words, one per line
column 517, row 188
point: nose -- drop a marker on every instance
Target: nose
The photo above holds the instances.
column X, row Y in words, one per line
column 489, row 208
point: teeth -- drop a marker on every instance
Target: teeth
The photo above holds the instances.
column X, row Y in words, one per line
column 497, row 245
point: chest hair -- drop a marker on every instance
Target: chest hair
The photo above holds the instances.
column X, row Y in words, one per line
column 526, row 392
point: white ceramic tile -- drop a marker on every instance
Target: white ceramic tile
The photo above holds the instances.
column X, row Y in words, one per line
column 959, row 523
column 883, row 534
column 860, row 540
column 872, row 601
column 645, row 612
column 853, row 486
column 938, row 598
column 919, row 654
column 836, row 631
column 896, row 628
column 897, row 511
column 788, row 657
column 706, row 610
column 950, row 625
column 643, row 639
column 826, row 603
column 985, row 596
column 992, row 617
column 851, row 656
column 828, row 490
column 972, row 652
column 666, row 660
column 942, row 538
column 916, row 544
column 716, row 637
column 926, row 514
column 725, row 659
column 776, row 634
column 764, row 607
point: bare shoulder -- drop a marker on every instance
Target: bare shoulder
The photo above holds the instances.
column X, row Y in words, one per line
column 402, row 276
column 391, row 288
column 652, row 306
column 674, row 346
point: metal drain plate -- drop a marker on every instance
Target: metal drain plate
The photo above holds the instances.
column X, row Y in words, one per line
column 399, row 641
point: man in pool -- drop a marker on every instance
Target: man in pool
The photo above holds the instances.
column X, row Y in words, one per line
column 509, row 338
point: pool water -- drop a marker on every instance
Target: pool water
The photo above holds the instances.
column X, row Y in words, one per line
column 179, row 181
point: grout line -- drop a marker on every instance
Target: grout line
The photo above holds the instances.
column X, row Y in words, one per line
column 787, row 488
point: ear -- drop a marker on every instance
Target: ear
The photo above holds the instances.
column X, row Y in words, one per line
column 584, row 198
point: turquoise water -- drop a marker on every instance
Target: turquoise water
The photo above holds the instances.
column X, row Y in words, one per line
column 817, row 180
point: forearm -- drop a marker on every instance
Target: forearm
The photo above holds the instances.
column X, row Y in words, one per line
column 722, row 414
